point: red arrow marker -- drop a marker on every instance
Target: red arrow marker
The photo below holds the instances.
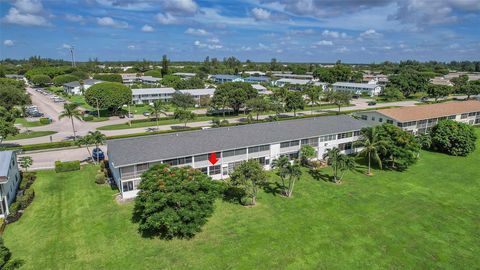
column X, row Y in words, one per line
column 213, row 158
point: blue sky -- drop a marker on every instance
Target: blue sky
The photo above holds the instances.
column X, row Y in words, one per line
column 356, row 31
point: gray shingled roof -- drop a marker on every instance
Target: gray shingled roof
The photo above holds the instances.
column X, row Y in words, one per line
column 129, row 151
column 5, row 159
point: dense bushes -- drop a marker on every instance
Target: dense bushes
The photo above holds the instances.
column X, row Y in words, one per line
column 453, row 138
column 62, row 79
column 25, row 196
column 67, row 166
column 40, row 80
column 44, row 121
column 401, row 147
column 109, row 77
column 87, row 117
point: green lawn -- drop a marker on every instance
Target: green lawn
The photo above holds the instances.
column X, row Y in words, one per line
column 80, row 99
column 425, row 218
column 29, row 135
column 26, row 123
column 153, row 123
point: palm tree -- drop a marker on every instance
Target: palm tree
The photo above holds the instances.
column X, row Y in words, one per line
column 97, row 137
column 25, row 162
column 294, row 172
column 347, row 163
column 86, row 141
column 281, row 164
column 313, row 96
column 71, row 111
column 372, row 147
column 159, row 107
column 339, row 162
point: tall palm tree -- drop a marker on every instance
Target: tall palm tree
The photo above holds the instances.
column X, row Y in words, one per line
column 158, row 107
column 372, row 146
column 97, row 137
column 281, row 164
column 313, row 96
column 71, row 111
column 294, row 172
column 347, row 163
column 86, row 141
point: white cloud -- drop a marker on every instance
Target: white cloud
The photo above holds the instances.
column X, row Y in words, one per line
column 74, row 18
column 212, row 44
column 197, row 32
column 370, row 33
column 261, row 14
column 16, row 16
column 131, row 47
column 334, row 34
column 342, row 49
column 8, row 42
column 166, row 18
column 180, row 7
column 29, row 6
column 324, row 43
column 110, row 22
column 147, row 28
column 66, row 46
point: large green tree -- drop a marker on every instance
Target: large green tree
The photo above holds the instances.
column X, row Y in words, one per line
column 40, row 80
column 401, row 147
column 249, row 176
column 12, row 93
column 339, row 98
column 294, row 102
column 453, row 138
column 258, row 105
column 470, row 89
column 174, row 202
column 235, row 94
column 340, row 163
column 183, row 101
column 409, row 82
column 313, row 94
column 108, row 77
column 437, row 91
column 109, row 95
column 63, row 79
column 184, row 116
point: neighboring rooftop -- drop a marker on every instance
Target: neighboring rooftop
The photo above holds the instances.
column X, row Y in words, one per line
column 198, row 92
column 225, row 77
column 359, row 85
column 415, row 113
column 5, row 158
column 294, row 81
column 146, row 91
column 123, row 152
column 85, row 82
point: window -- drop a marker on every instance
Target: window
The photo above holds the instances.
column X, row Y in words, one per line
column 178, row 161
column 471, row 114
column 201, row 158
column 213, row 170
column 127, row 186
column 345, row 135
column 328, row 138
column 345, row 146
column 452, row 117
column 380, row 119
column 236, row 152
column 203, row 170
column 364, row 117
column 400, row 124
column 289, row 144
column 373, row 118
column 311, row 141
column 357, row 133
column 258, row 148
column 262, row 160
column 142, row 167
column 464, row 115
column 233, row 165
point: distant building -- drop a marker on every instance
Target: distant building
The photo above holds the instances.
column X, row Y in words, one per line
column 149, row 80
column 441, row 81
column 198, row 94
column 379, row 79
column 261, row 89
column 149, row 95
column 289, row 75
column 358, row 88
column 292, row 82
column 259, row 79
column 16, row 77
column 254, row 73
column 185, row 75
column 129, row 78
column 222, row 78
column 420, row 119
column 76, row 88
column 9, row 180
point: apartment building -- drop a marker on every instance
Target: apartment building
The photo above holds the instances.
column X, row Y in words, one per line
column 129, row 158
column 79, row 87
column 358, row 88
column 149, row 95
column 9, row 180
column 420, row 119
column 222, row 78
column 257, row 79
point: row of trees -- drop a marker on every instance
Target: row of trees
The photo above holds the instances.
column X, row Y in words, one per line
column 12, row 94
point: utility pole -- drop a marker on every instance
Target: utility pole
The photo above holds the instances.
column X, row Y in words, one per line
column 73, row 55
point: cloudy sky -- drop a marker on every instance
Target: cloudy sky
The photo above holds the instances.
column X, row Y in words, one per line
column 290, row 30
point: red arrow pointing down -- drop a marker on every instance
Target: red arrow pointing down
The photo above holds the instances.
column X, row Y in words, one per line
column 213, row 158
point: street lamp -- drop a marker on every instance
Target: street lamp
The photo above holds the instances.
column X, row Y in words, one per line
column 128, row 116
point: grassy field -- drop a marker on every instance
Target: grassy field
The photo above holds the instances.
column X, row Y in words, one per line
column 29, row 135
column 153, row 123
column 26, row 123
column 427, row 217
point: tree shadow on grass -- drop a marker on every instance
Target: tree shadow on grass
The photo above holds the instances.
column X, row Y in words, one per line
column 273, row 188
column 319, row 175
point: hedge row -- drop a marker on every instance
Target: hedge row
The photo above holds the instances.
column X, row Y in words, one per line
column 25, row 199
column 68, row 166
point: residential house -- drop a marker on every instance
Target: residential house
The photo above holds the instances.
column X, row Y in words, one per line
column 264, row 142
column 222, row 78
column 185, row 75
column 149, row 80
column 129, row 78
column 358, row 88
column 420, row 119
column 198, row 94
column 293, row 84
column 149, row 95
column 77, row 87
column 262, row 90
column 257, row 79
column 9, row 180
column 289, row 75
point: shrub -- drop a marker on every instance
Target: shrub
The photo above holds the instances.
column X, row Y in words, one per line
column 44, row 121
column 63, row 79
column 109, row 77
column 154, row 73
column 100, row 178
column 14, row 208
column 27, row 180
column 67, row 166
column 453, row 138
column 87, row 117
column 40, row 80
column 26, row 198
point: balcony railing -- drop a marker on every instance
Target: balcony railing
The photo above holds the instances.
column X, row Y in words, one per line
column 132, row 175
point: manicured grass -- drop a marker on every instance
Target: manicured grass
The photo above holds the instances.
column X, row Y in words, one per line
column 26, row 123
column 426, row 217
column 29, row 135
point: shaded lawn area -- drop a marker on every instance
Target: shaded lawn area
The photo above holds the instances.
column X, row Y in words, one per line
column 29, row 135
column 26, row 123
column 426, row 217
column 153, row 123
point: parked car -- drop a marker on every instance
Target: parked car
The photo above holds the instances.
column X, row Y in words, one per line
column 371, row 103
column 147, row 114
column 424, row 99
column 98, row 154
column 355, row 96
